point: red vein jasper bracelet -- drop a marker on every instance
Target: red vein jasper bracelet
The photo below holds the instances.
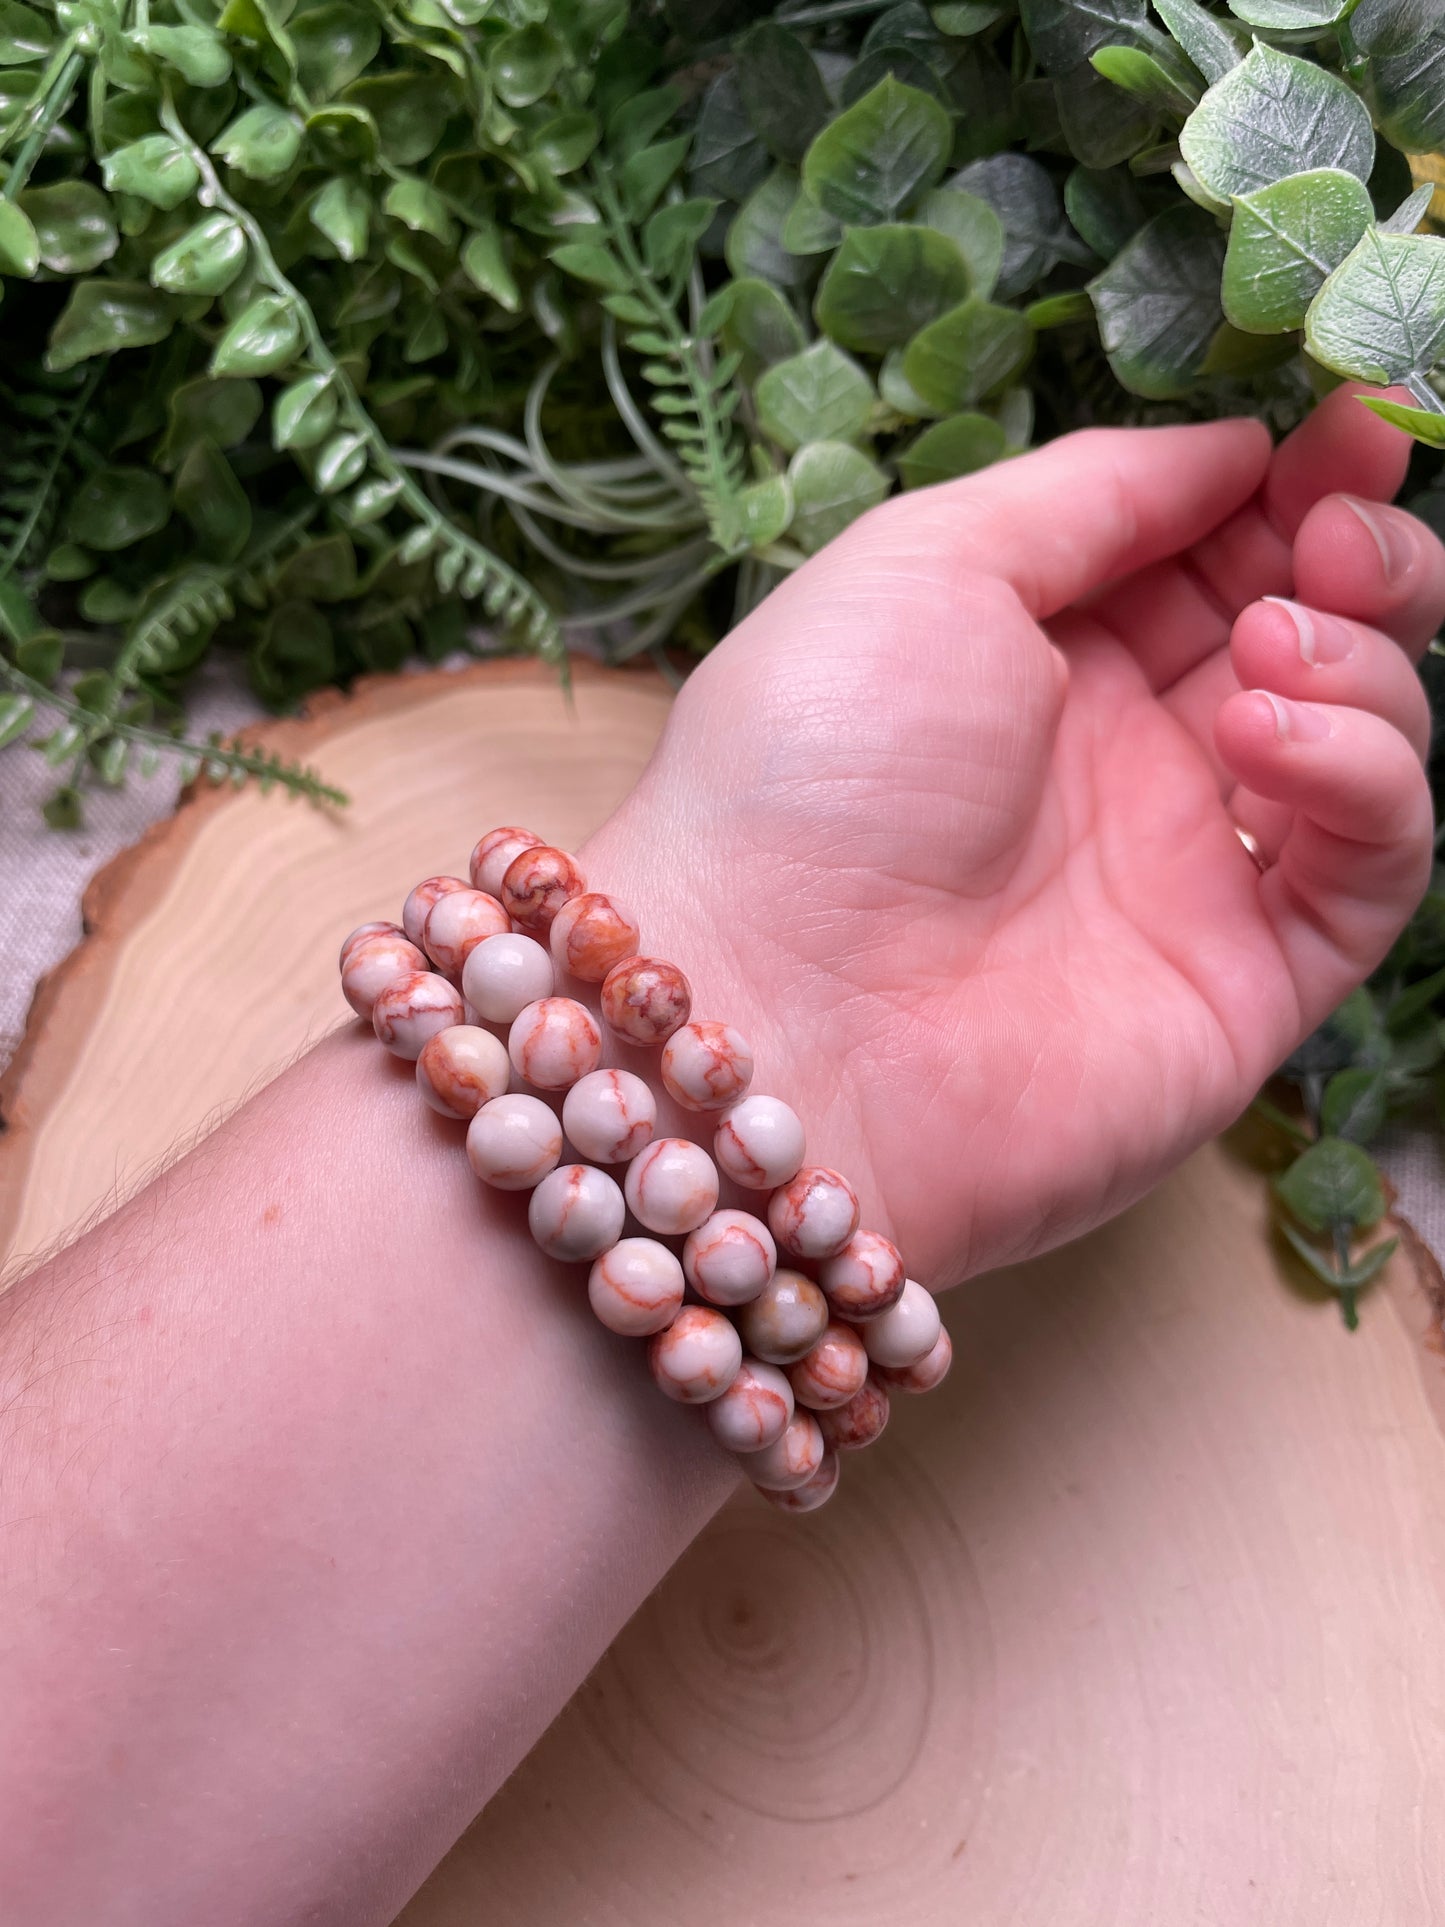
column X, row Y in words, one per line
column 793, row 1363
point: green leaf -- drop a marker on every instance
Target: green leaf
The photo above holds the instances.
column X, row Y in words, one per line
column 566, row 142
column 819, row 395
column 342, row 212
column 1059, row 310
column 966, row 354
column 879, row 155
column 966, row 16
column 411, row 111
column 1157, row 303
column 754, row 246
column 26, row 36
column 885, row 283
column 157, row 168
column 205, row 260
column 670, row 238
column 262, row 339
column 102, row 317
column 958, row 446
column 810, row 229
column 16, row 715
column 525, row 63
column 225, row 411
column 1381, row 314
column 1404, row 45
column 1065, row 33
column 211, row 499
column 1273, row 116
column 1333, row 1185
column 1290, row 16
column 321, row 571
column 756, row 322
column 973, row 227
column 341, row 462
column 73, row 224
column 304, row 412
column 198, row 54
column 591, row 261
column 1354, row 1105
column 1022, row 195
column 641, row 118
column 644, row 175
column 765, row 509
column 262, row 143
column 728, row 159
column 1099, row 122
column 334, row 46
column 114, row 507
column 19, row 243
column 68, row 562
column 1410, row 213
column 1105, row 207
column 782, row 91
column 1157, row 86
column 295, row 652
column 1284, row 241
column 418, row 206
column 485, row 265
column 1206, row 41
column 372, row 499
column 1423, row 423
column 832, row 485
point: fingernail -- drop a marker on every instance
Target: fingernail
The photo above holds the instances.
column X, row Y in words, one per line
column 1297, row 722
column 1321, row 638
column 1393, row 534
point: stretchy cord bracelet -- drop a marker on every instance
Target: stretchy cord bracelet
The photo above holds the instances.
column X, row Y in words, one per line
column 793, row 1362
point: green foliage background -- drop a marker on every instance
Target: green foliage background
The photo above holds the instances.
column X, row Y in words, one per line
column 334, row 328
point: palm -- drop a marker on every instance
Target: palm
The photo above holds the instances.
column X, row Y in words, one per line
column 995, row 921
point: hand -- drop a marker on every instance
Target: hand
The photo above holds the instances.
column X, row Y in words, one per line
column 948, row 825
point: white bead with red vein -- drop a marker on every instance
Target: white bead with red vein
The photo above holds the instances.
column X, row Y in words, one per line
column 848, row 1428
column 609, row 1116
column 576, row 1213
column 363, row 931
column 812, row 1493
column 554, row 1042
column 907, row 1332
column 707, row 1066
column 729, row 1259
column 494, row 852
column 461, row 1069
column 644, row 999
column 514, row 1141
column 456, row 924
column 832, row 1372
column 413, row 1008
column 792, row 1458
column 865, row 1278
column 504, row 974
column 696, row 1359
column 760, row 1143
column 814, row 1214
column 591, row 935
column 671, row 1186
column 374, row 962
column 754, row 1410
column 636, row 1288
column 418, row 904
column 786, row 1319
column 536, row 884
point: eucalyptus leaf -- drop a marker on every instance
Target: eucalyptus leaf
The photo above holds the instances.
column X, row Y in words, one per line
column 1355, row 1104
column 1410, row 213
column 1381, row 315
column 885, row 283
column 1204, row 38
column 1333, row 1185
column 832, row 485
column 1158, row 303
column 1284, row 241
column 966, row 354
column 819, row 395
column 1404, row 45
column 880, row 155
column 1272, row 116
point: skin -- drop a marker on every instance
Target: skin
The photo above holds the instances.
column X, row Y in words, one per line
column 320, row 1490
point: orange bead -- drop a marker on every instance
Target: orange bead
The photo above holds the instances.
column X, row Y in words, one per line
column 590, row 934
column 645, row 1000
column 536, row 884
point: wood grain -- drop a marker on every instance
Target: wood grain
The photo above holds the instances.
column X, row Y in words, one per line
column 1137, row 1623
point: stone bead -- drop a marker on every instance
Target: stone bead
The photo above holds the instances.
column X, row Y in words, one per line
column 576, row 1213
column 456, row 924
column 375, row 963
column 672, row 1186
column 609, row 1116
column 905, row 1335
column 363, row 932
column 729, row 1259
column 591, row 934
column 926, row 1374
column 760, row 1143
column 697, row 1357
column 554, row 1042
column 707, row 1067
column 832, row 1372
column 847, row 1428
column 756, row 1408
column 792, row 1458
column 786, row 1319
column 504, row 974
column 865, row 1278
column 636, row 1288
column 462, row 1069
column 413, row 1008
column 494, row 852
column 645, row 999
column 513, row 1142
column 536, row 884
column 812, row 1493
column 814, row 1214
column 414, row 910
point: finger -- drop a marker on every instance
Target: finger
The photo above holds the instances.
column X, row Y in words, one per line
column 1356, row 858
column 1061, row 521
column 1178, row 612
column 1313, row 656
column 1376, row 563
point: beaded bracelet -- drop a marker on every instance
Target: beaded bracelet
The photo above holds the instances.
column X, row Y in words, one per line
column 793, row 1363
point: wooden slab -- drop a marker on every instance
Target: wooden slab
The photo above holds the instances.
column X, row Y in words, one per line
column 1138, row 1623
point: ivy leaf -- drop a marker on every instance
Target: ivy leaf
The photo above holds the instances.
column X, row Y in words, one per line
column 819, row 395
column 782, row 91
column 1283, row 242
column 1273, row 116
column 879, row 154
column 114, row 507
column 1157, row 303
column 958, row 446
column 1206, row 41
column 342, row 212
column 157, row 168
column 74, row 225
column 1333, row 1186
column 102, row 317
column 19, row 243
column 211, row 499
column 973, row 227
column 1404, row 44
column 832, row 485
column 885, row 283
column 205, row 260
column 966, row 354
column 1381, row 315
column 198, row 54
column 1425, row 424
column 262, row 339
column 1023, row 196
column 262, row 143
column 1355, row 1103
